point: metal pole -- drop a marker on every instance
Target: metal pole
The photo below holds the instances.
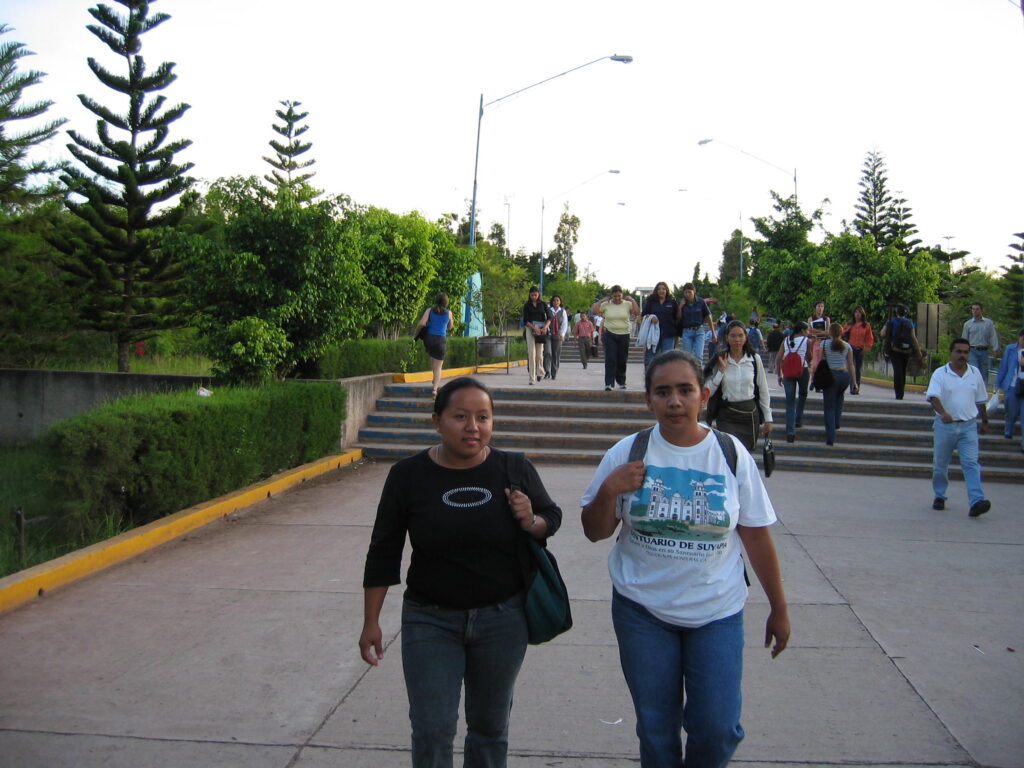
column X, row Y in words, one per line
column 472, row 213
column 541, row 284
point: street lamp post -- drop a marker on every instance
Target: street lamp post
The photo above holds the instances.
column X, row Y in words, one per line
column 556, row 197
column 704, row 142
column 479, row 122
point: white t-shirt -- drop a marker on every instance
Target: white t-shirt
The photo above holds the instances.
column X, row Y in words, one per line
column 678, row 553
column 960, row 395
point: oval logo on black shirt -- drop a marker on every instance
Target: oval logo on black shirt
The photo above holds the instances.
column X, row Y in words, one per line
column 466, row 497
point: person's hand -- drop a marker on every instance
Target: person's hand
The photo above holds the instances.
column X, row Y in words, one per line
column 766, row 428
column 625, row 478
column 946, row 418
column 983, row 427
column 522, row 508
column 723, row 361
column 371, row 644
column 654, row 320
column 777, row 629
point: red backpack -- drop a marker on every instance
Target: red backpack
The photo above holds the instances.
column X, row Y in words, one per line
column 793, row 362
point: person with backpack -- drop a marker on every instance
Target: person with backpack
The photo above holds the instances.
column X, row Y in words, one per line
column 736, row 378
column 791, row 363
column 688, row 500
column 900, row 344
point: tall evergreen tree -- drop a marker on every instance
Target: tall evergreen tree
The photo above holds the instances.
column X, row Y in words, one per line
column 117, row 261
column 735, row 258
column 15, row 169
column 566, row 236
column 874, row 206
column 1012, row 280
column 285, row 174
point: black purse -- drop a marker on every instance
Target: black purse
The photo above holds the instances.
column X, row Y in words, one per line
column 823, row 378
column 714, row 405
column 421, row 334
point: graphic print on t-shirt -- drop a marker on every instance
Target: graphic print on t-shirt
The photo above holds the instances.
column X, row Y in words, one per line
column 679, row 503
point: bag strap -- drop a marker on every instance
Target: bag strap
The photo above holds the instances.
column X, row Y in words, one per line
column 515, row 468
column 638, row 449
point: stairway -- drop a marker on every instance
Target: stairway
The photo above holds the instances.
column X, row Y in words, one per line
column 568, row 426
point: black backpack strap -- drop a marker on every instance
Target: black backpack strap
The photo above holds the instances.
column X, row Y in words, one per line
column 728, row 448
column 638, row 449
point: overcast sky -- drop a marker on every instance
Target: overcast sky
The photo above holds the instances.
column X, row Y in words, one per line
column 393, row 88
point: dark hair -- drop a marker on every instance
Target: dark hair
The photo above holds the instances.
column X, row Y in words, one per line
column 709, row 369
column 668, row 293
column 555, row 296
column 977, row 304
column 616, row 289
column 445, row 393
column 534, row 289
column 836, row 332
column 863, row 315
column 954, row 342
column 689, row 287
column 902, row 311
column 746, row 344
column 1020, row 333
column 672, row 356
column 441, row 303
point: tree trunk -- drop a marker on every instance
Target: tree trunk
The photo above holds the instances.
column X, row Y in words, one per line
column 124, row 349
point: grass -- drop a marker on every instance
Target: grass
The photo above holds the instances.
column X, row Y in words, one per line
column 23, row 487
column 188, row 365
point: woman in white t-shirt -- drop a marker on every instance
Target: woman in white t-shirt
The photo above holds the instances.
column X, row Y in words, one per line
column 678, row 578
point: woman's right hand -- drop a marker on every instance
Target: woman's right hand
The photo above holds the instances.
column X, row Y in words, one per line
column 371, row 644
column 625, row 478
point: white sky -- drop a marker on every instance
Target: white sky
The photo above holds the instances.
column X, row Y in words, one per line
column 392, row 89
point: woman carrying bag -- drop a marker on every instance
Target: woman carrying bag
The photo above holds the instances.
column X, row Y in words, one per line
column 436, row 322
column 736, row 379
column 837, row 356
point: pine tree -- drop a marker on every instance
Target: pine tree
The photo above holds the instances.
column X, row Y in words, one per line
column 15, row 169
column 1012, row 281
column 874, row 209
column 117, row 261
column 285, row 163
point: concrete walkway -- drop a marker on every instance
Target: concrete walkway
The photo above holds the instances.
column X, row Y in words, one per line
column 236, row 646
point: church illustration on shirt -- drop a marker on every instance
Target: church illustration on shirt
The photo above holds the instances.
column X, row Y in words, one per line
column 661, row 508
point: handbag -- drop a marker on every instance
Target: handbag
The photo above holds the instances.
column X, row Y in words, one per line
column 823, row 378
column 714, row 406
column 421, row 333
column 548, row 613
column 768, row 457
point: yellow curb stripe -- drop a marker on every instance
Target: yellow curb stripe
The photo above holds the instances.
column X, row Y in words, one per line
column 421, row 376
column 20, row 587
column 885, row 383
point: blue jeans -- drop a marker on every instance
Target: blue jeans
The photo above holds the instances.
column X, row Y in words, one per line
column 616, row 354
column 794, row 406
column 833, row 403
column 664, row 345
column 1014, row 411
column 442, row 648
column 693, row 341
column 963, row 436
column 679, row 679
column 980, row 359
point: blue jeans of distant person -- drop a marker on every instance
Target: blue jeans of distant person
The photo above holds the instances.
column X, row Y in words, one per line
column 1014, row 410
column 693, row 341
column 664, row 345
column 795, row 405
column 681, row 679
column 616, row 354
column 444, row 648
column 832, row 398
column 981, row 360
column 962, row 436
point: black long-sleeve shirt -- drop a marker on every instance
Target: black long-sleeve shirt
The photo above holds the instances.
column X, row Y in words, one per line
column 467, row 549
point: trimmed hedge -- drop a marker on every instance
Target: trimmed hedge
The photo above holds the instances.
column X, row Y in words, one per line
column 146, row 456
column 364, row 357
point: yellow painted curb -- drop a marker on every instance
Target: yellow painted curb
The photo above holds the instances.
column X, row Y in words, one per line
column 20, row 587
column 886, row 383
column 420, row 376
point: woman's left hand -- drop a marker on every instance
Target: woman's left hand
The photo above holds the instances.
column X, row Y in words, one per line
column 522, row 508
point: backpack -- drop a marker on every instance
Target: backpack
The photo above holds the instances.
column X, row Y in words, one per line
column 902, row 335
column 793, row 362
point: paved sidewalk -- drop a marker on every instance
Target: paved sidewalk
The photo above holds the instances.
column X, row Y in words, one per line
column 236, row 646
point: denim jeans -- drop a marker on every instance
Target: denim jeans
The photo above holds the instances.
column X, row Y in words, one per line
column 1014, row 411
column 664, row 345
column 963, row 436
column 442, row 648
column 833, row 403
column 795, row 406
column 981, row 360
column 616, row 354
column 693, row 341
column 681, row 679
column 858, row 363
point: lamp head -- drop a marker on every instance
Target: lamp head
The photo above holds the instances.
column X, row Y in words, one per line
column 702, row 142
column 623, row 59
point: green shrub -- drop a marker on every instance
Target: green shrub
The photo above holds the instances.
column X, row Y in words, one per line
column 145, row 456
column 364, row 357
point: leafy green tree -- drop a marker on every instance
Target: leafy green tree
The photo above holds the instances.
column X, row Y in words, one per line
column 287, row 168
column 128, row 172
column 786, row 267
column 732, row 250
column 503, row 291
column 576, row 295
column 559, row 261
column 281, row 284
column 398, row 261
column 1012, row 281
column 15, row 168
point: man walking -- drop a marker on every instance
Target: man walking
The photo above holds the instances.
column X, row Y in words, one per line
column 957, row 394
column 691, row 316
column 980, row 333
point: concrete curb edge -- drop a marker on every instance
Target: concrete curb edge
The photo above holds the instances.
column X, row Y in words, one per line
column 18, row 588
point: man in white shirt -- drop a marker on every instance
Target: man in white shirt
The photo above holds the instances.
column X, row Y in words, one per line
column 957, row 394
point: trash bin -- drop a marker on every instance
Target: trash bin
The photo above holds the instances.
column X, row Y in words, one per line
column 491, row 346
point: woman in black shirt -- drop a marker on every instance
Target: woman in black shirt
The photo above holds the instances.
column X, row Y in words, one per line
column 462, row 614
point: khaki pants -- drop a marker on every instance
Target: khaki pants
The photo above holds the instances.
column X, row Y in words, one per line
column 534, row 354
